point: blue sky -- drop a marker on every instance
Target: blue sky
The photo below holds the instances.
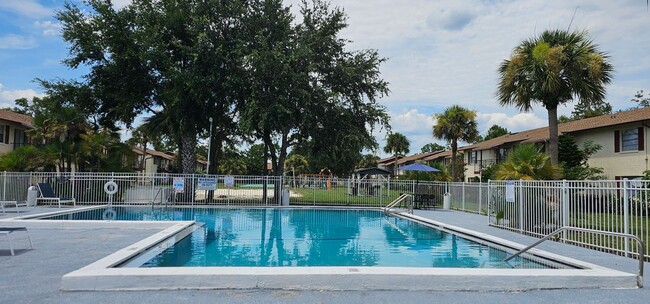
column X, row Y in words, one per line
column 439, row 52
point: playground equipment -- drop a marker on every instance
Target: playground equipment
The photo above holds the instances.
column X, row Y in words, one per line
column 322, row 180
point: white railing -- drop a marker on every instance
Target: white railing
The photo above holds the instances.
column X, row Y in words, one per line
column 531, row 207
column 540, row 207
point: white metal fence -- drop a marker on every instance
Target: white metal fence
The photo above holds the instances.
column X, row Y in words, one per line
column 531, row 207
column 539, row 207
column 88, row 189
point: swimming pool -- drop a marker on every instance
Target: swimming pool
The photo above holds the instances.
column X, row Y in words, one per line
column 269, row 239
column 272, row 237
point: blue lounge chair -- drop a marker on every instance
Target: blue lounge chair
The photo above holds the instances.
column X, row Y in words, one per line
column 47, row 194
column 6, row 231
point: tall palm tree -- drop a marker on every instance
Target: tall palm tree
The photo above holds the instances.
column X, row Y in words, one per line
column 528, row 163
column 553, row 69
column 396, row 144
column 456, row 123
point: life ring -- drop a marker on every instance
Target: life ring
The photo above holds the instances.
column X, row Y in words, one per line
column 109, row 214
column 110, row 188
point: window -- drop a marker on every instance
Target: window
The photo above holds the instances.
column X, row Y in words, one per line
column 501, row 154
column 630, row 140
column 2, row 134
column 474, row 157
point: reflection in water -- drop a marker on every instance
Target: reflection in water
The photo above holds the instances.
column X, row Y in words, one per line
column 309, row 237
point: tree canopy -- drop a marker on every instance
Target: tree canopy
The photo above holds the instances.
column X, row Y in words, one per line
column 454, row 124
column 260, row 74
column 552, row 69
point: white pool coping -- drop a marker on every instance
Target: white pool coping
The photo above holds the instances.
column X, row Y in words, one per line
column 104, row 275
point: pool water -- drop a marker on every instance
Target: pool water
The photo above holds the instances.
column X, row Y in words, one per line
column 312, row 237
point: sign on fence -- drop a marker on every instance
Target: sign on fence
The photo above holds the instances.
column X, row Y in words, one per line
column 207, row 183
column 179, row 184
column 229, row 181
column 510, row 191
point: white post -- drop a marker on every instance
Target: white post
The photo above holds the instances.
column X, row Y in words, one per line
column 626, row 216
column 4, row 186
column 480, row 196
column 463, row 197
column 489, row 199
column 565, row 208
column 521, row 206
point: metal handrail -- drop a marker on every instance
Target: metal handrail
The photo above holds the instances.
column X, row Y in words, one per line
column 399, row 200
column 641, row 249
column 153, row 201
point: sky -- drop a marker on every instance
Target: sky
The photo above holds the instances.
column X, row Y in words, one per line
column 439, row 53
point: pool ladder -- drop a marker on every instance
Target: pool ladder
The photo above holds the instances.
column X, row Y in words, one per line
column 398, row 201
column 161, row 193
column 640, row 251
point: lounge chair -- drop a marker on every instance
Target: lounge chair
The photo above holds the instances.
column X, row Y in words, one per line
column 6, row 231
column 47, row 194
column 16, row 203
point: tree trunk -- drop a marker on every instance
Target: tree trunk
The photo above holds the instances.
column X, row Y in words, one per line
column 188, row 155
column 553, row 135
column 454, row 149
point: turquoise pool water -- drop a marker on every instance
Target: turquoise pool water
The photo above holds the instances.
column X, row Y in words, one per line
column 311, row 237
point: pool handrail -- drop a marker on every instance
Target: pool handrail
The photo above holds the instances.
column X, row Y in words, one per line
column 640, row 253
column 399, row 200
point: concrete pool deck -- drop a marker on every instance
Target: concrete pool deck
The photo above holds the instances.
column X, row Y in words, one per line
column 34, row 276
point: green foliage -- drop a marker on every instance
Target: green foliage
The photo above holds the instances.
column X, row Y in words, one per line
column 368, row 161
column 585, row 109
column 528, row 163
column 397, row 144
column 27, row 158
column 489, row 172
column 553, row 69
column 456, row 123
column 306, row 89
column 432, row 147
column 297, row 163
column 641, row 101
column 254, row 160
column 574, row 160
column 495, row 131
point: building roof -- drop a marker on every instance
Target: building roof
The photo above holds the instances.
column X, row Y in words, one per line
column 541, row 134
column 413, row 158
column 22, row 119
column 439, row 155
column 371, row 171
column 140, row 151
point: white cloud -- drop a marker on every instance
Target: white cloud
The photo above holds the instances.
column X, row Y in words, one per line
column 27, row 8
column 7, row 97
column 515, row 123
column 49, row 28
column 12, row 41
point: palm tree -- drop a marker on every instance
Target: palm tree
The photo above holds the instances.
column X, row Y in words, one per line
column 528, row 163
column 553, row 69
column 456, row 123
column 396, row 144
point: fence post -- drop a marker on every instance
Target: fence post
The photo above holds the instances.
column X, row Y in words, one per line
column 193, row 189
column 489, row 199
column 462, row 204
column 626, row 216
column 72, row 179
column 4, row 186
column 565, row 208
column 480, row 196
column 521, row 205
